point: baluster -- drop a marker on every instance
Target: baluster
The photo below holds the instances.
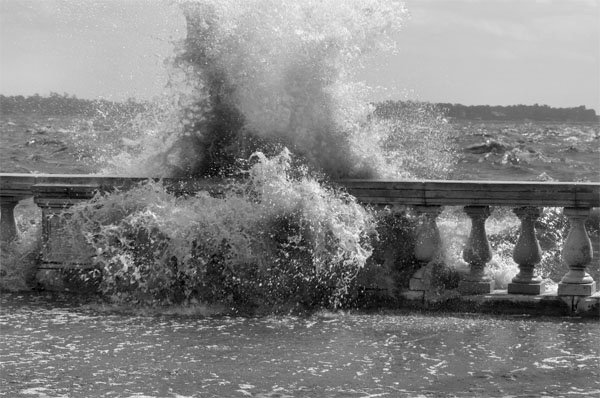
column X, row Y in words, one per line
column 527, row 254
column 427, row 245
column 428, row 241
column 577, row 254
column 477, row 253
column 8, row 227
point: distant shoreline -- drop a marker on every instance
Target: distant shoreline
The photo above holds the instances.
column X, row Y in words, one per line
column 514, row 113
column 69, row 105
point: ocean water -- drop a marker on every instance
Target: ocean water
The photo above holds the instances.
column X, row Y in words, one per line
column 519, row 151
column 527, row 151
column 57, row 348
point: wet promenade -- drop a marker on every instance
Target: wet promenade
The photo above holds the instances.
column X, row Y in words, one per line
column 56, row 349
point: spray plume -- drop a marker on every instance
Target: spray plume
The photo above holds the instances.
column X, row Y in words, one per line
column 263, row 75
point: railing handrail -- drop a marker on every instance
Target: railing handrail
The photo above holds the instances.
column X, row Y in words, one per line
column 462, row 193
column 21, row 185
column 407, row 192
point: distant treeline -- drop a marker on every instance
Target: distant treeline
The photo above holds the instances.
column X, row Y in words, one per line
column 66, row 105
column 69, row 105
column 486, row 112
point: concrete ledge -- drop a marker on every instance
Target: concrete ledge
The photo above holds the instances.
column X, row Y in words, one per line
column 500, row 302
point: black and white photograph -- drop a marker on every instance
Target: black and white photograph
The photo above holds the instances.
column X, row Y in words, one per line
column 299, row 198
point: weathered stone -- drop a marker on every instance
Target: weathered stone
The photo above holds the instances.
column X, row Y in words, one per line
column 577, row 254
column 467, row 287
column 525, row 288
column 58, row 247
column 8, row 227
column 500, row 302
column 65, row 259
column 576, row 289
column 413, row 295
column 588, row 305
column 527, row 253
column 477, row 253
column 428, row 242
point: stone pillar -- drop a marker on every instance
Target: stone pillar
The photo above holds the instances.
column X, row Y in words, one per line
column 477, row 253
column 527, row 254
column 427, row 245
column 65, row 263
column 577, row 254
column 56, row 248
column 8, row 227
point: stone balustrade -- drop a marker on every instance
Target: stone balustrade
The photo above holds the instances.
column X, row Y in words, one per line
column 54, row 193
column 477, row 197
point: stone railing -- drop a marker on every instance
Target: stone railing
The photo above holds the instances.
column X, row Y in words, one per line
column 54, row 193
column 526, row 198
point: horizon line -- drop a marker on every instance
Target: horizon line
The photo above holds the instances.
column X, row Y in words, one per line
column 137, row 99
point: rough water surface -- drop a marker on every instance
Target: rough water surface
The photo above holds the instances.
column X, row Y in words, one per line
column 56, row 348
column 487, row 150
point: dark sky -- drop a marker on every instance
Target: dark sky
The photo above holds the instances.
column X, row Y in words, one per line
column 461, row 51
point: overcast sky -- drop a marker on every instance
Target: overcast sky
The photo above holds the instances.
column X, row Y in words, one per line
column 496, row 52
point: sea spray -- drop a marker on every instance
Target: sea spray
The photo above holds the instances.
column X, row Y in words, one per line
column 262, row 75
column 252, row 79
column 150, row 142
column 272, row 239
column 278, row 71
column 18, row 258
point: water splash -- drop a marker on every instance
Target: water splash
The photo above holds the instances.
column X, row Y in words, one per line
column 265, row 74
column 272, row 238
column 280, row 71
column 252, row 79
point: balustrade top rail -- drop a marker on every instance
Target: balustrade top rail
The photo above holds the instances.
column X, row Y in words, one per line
column 460, row 193
column 417, row 192
column 20, row 185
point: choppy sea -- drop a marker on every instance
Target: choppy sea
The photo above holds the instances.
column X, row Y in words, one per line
column 523, row 151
